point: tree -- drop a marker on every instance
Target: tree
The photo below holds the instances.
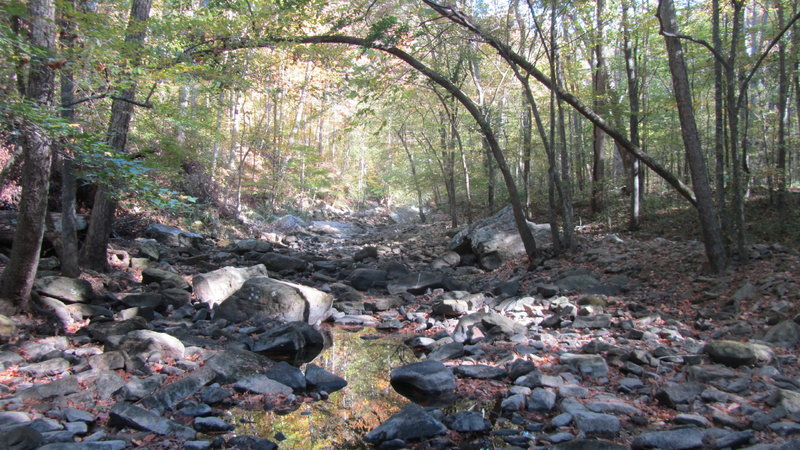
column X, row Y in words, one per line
column 17, row 279
column 707, row 212
column 93, row 254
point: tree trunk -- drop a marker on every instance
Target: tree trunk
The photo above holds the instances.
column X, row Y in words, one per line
column 93, row 254
column 719, row 119
column 707, row 212
column 631, row 72
column 69, row 235
column 783, row 117
column 17, row 279
column 417, row 188
column 600, row 82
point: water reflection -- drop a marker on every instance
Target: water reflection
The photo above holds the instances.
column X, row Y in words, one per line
column 341, row 421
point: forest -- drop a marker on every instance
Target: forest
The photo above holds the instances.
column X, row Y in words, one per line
column 229, row 119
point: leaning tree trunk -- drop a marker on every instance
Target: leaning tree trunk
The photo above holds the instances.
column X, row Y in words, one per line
column 95, row 247
column 707, row 212
column 17, row 279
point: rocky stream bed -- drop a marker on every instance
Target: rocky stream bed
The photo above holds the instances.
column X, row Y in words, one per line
column 395, row 335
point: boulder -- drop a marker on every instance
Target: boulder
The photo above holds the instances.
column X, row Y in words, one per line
column 785, row 334
column 153, row 275
column 70, row 290
column 262, row 298
column 213, row 287
column 149, row 345
column 336, row 229
column 127, row 415
column 322, row 380
column 289, row 224
column 278, row 262
column 496, row 238
column 172, row 236
column 412, row 422
column 364, row 279
column 416, row 283
column 231, row 365
column 426, row 382
column 295, row 342
column 289, row 375
column 735, row 354
column 405, row 214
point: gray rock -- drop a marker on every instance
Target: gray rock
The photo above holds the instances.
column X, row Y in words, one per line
column 479, row 371
column 378, row 304
column 136, row 389
column 790, row 401
column 295, row 342
column 785, row 428
column 561, row 420
column 287, row 374
column 364, row 279
column 333, row 228
column 448, row 259
column 592, row 322
column 148, row 248
column 167, row 397
column 250, row 443
column 612, row 406
column 163, row 277
column 735, row 354
column 127, row 415
column 595, row 424
column 211, row 425
column 589, row 444
column 78, row 415
column 250, row 245
column 71, row 290
column 195, row 410
column 277, row 262
column 111, row 360
column 196, row 445
column 57, row 388
column 520, row 367
column 676, row 439
column 213, row 287
column 215, row 394
column 263, row 298
column 541, row 400
column 692, row 419
column 785, row 334
column 674, row 394
column 496, row 239
column 21, row 438
column 366, row 253
column 261, row 384
column 490, row 324
column 151, row 346
column 92, row 445
column 447, row 351
column 516, row 402
column 587, row 365
column 50, row 367
column 575, row 283
column 232, row 365
column 172, row 236
column 416, row 283
column 322, row 380
column 412, row 422
column 152, row 300
column 426, row 382
column 468, row 422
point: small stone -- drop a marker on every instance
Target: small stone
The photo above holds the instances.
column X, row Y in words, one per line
column 211, row 425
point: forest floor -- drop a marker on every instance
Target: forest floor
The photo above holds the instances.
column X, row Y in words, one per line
column 668, row 284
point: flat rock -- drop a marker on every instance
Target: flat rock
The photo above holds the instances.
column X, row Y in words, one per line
column 153, row 275
column 211, row 425
column 172, row 236
column 46, row 368
column 479, row 371
column 541, row 400
column 676, row 439
column 127, row 415
column 785, row 334
column 412, row 422
column 447, row 351
column 261, row 384
column 589, row 444
column 489, row 324
column 596, row 424
column 71, row 290
column 674, row 394
column 231, row 365
column 150, row 345
column 295, row 342
column 278, row 262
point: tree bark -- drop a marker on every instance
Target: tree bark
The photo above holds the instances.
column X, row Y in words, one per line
column 783, row 117
column 69, row 234
column 631, row 73
column 401, row 136
column 707, row 212
column 17, row 279
column 600, row 104
column 93, row 254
